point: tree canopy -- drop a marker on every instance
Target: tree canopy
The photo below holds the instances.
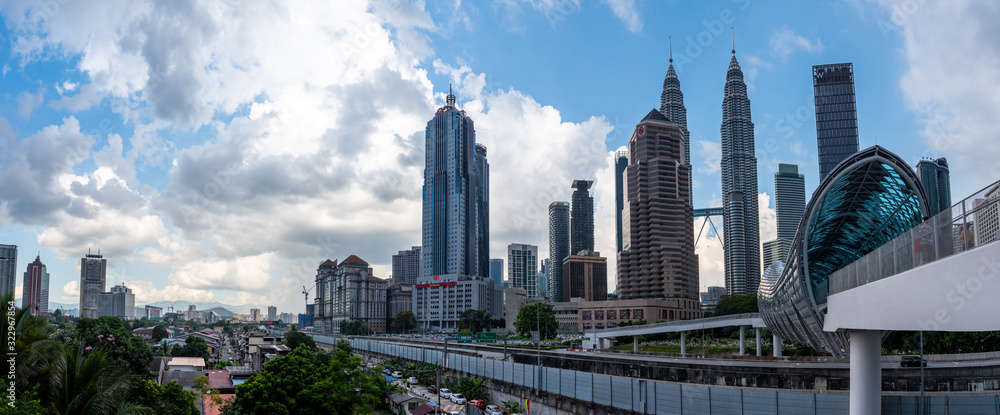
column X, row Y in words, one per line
column 736, row 304
column 404, row 322
column 475, row 320
column 295, row 338
column 529, row 317
column 353, row 328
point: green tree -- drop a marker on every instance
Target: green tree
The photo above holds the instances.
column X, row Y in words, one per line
column 404, row 322
column 167, row 399
column 475, row 320
column 297, row 338
column 88, row 385
column 353, row 328
column 108, row 334
column 160, row 333
column 344, row 345
column 512, row 406
column 195, row 347
column 736, row 304
column 531, row 315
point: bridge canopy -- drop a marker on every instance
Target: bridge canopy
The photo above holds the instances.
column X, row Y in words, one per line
column 867, row 200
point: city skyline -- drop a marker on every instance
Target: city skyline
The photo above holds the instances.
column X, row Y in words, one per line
column 234, row 191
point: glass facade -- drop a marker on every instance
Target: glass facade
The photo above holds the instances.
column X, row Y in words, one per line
column 836, row 115
column 558, row 245
column 869, row 199
column 582, row 218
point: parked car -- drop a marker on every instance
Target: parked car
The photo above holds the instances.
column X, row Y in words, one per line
column 493, row 410
column 396, row 374
column 432, row 389
column 412, row 380
column 387, row 372
column 457, row 398
column 478, row 403
column 912, row 361
column 445, row 393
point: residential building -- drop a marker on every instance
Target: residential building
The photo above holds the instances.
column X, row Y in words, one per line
column 936, row 180
column 657, row 258
column 985, row 220
column 438, row 300
column 836, row 115
column 399, row 298
column 582, row 218
column 481, row 172
column 323, row 311
column 450, row 243
column 672, row 107
column 406, row 266
column 514, row 299
column 558, row 244
column 522, row 267
column 621, row 162
column 606, row 314
column 355, row 294
column 496, row 270
column 288, row 318
column 306, row 320
column 741, row 238
column 272, row 313
column 8, row 268
column 710, row 298
column 119, row 302
column 153, row 312
column 93, row 277
column 585, row 276
column 35, row 295
column 255, row 314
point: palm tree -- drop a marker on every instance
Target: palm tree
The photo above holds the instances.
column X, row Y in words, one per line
column 88, row 385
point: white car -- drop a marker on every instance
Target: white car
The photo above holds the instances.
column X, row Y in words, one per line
column 445, row 393
column 412, row 380
column 397, row 374
column 493, row 410
column 458, row 398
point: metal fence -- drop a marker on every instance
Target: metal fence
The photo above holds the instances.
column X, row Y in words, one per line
column 973, row 222
column 657, row 397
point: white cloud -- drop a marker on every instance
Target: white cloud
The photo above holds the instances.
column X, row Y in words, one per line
column 785, row 42
column 72, row 289
column 27, row 102
column 625, row 10
column 951, row 83
column 66, row 86
column 711, row 153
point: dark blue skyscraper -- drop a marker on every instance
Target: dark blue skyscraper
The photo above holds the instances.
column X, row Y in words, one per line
column 496, row 270
column 558, row 245
column 582, row 218
column 482, row 174
column 836, row 115
column 936, row 180
column 621, row 162
column 739, row 186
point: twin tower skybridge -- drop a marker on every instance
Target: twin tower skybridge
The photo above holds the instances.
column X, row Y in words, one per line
column 707, row 213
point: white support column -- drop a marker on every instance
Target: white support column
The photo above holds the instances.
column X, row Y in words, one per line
column 683, row 343
column 759, row 344
column 743, row 341
column 635, row 344
column 866, row 371
column 776, row 342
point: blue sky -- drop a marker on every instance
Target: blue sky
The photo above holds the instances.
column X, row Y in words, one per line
column 218, row 151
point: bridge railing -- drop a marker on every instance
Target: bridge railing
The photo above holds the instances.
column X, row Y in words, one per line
column 973, row 222
column 682, row 322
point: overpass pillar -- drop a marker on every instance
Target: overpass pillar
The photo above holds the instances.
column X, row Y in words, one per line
column 743, row 341
column 683, row 343
column 776, row 342
column 635, row 344
column 866, row 371
column 759, row 345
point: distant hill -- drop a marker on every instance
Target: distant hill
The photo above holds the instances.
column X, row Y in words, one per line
column 222, row 312
column 182, row 305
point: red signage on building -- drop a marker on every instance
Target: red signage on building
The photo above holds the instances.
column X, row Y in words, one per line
column 437, row 284
column 436, row 277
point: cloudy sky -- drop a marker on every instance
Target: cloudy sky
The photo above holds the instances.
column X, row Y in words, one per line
column 219, row 150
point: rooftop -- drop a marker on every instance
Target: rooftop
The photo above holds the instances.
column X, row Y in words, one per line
column 353, row 259
column 187, row 361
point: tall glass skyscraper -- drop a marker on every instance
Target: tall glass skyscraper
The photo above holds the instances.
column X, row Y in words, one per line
column 558, row 245
column 672, row 107
column 789, row 199
column 582, row 218
column 8, row 268
column 482, row 174
column 836, row 115
column 450, row 242
column 93, row 277
column 35, row 296
column 496, row 270
column 739, row 186
column 936, row 180
column 621, row 162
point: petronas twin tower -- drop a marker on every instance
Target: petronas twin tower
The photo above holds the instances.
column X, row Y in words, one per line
column 741, row 238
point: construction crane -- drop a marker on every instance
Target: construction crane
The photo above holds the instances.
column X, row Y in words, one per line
column 171, row 308
column 305, row 292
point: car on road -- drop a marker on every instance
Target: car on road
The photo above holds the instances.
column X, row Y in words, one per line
column 478, row 403
column 457, row 398
column 432, row 389
column 912, row 361
column 396, row 374
column 445, row 393
column 493, row 410
column 412, row 380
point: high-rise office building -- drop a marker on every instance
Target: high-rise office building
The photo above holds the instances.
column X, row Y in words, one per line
column 36, row 288
column 93, row 276
column 672, row 107
column 789, row 200
column 406, row 266
column 272, row 312
column 496, row 270
column 8, row 268
column 558, row 244
column 657, row 259
column 450, row 241
column 621, row 162
column 936, row 180
column 739, row 186
column 544, row 273
column 254, row 314
column 836, row 115
column 323, row 304
column 481, row 172
column 119, row 302
column 522, row 268
column 581, row 218
column 585, row 275
column 775, row 250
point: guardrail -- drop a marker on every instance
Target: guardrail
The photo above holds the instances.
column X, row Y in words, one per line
column 971, row 223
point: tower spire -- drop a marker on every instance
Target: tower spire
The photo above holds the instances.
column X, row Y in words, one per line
column 451, row 97
column 733, row 33
column 670, row 41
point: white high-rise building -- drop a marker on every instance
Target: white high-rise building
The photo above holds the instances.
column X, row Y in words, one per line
column 522, row 268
